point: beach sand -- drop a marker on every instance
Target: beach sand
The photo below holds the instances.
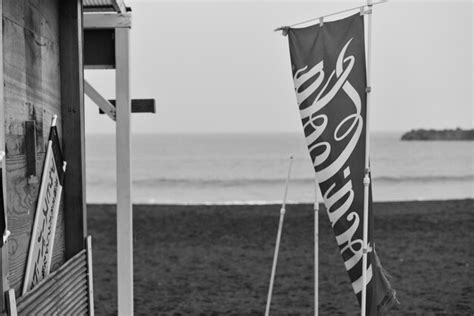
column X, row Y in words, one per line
column 213, row 260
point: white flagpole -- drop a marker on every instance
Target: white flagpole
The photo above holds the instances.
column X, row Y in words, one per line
column 367, row 170
column 316, row 248
column 277, row 246
column 282, row 28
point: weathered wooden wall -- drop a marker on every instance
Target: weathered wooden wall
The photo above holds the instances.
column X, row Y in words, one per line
column 32, row 92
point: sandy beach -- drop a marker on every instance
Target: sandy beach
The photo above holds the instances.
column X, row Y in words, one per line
column 214, row 260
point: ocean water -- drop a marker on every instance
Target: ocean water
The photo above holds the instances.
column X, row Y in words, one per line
column 251, row 168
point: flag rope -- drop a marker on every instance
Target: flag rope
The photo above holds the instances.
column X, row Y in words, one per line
column 365, row 248
column 321, row 18
column 277, row 245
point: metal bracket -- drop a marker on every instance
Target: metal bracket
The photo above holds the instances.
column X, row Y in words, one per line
column 364, row 11
column 30, row 145
column 283, row 29
column 321, row 21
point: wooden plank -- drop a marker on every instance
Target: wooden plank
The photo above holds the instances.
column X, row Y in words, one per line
column 20, row 219
column 72, row 97
column 139, row 106
column 4, row 264
column 99, row 67
column 107, row 20
column 44, row 228
column 124, row 176
column 99, row 48
column 31, row 92
column 104, row 105
column 11, row 303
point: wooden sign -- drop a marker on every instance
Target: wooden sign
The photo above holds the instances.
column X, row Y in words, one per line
column 44, row 227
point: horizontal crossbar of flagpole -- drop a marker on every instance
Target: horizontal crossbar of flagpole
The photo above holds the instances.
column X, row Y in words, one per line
column 281, row 28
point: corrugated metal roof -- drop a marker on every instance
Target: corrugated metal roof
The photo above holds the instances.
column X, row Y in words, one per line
column 101, row 5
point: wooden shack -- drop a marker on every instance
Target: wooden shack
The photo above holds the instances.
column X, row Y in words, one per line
column 42, row 73
column 45, row 46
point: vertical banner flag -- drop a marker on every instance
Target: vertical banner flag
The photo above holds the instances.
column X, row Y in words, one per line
column 44, row 227
column 329, row 73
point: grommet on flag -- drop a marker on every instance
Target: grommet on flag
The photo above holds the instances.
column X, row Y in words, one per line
column 368, row 89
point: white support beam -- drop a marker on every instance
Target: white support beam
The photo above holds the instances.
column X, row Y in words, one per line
column 124, row 175
column 98, row 99
column 107, row 20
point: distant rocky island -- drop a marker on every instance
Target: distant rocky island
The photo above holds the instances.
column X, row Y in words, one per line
column 445, row 134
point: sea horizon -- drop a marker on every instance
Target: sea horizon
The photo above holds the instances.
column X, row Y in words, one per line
column 250, row 168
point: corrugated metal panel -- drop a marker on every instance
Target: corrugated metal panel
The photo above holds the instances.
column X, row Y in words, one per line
column 64, row 292
column 96, row 3
column 100, row 5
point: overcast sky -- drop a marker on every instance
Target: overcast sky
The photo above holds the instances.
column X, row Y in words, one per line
column 218, row 67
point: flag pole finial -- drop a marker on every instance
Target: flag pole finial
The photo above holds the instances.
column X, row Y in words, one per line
column 283, row 29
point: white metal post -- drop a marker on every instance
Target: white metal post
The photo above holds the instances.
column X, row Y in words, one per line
column 277, row 245
column 365, row 249
column 316, row 248
column 124, row 174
